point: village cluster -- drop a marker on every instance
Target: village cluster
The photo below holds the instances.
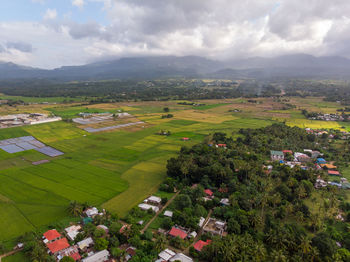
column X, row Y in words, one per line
column 26, row 119
column 311, row 159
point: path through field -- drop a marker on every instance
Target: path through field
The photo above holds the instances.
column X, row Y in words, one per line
column 159, row 212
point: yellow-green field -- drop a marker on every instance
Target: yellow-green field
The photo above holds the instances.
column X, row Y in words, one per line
column 116, row 170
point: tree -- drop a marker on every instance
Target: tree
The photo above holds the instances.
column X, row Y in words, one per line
column 166, row 109
column 101, row 244
column 116, row 252
column 160, row 242
column 182, row 201
column 99, row 232
column 74, row 208
column 167, row 223
column 67, row 259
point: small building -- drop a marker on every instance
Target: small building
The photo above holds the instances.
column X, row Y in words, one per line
column 335, row 184
column 287, row 152
column 91, row 212
column 177, row 232
column 225, row 202
column 130, row 252
column 333, row 173
column 104, row 228
column 321, row 161
column 200, row 244
column 180, row 257
column 193, row 234
column 72, row 231
column 57, row 245
column 221, row 145
column 146, row 207
column 276, row 155
column 201, row 221
column 166, row 254
column 320, row 183
column 168, row 213
column 153, row 200
column 215, row 227
column 208, row 192
column 185, row 139
column 303, row 158
column 329, row 166
column 51, row 235
column 85, row 244
column 101, row 256
column 87, row 220
column 72, row 252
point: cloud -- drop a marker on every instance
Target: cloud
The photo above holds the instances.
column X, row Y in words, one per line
column 78, row 3
column 50, row 14
column 220, row 29
column 20, row 46
column 2, row 49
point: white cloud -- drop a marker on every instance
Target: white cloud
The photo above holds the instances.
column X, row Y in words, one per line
column 222, row 29
column 78, row 3
column 50, row 14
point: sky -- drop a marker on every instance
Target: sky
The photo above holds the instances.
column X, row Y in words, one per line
column 54, row 33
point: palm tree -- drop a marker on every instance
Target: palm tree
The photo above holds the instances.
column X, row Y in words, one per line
column 74, row 208
column 259, row 252
column 305, row 245
column 160, row 242
column 278, row 256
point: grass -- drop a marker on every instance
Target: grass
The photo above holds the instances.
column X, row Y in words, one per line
column 18, row 257
column 115, row 170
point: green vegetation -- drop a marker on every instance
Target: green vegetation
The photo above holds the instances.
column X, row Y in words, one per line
column 114, row 170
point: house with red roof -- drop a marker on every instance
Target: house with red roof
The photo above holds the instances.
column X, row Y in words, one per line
column 58, row 245
column 200, row 244
column 208, row 192
column 287, row 152
column 221, row 145
column 177, row 232
column 185, row 139
column 71, row 251
column 333, row 173
column 51, row 235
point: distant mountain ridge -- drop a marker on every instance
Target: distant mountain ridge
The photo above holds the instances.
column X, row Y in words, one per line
column 298, row 65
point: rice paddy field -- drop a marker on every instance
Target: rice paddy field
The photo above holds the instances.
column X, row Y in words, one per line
column 118, row 169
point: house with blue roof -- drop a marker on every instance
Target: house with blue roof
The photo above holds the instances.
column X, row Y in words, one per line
column 321, row 161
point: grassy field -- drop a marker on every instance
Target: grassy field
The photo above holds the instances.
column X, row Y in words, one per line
column 116, row 170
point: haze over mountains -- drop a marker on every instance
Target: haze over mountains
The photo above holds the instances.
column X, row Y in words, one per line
column 289, row 66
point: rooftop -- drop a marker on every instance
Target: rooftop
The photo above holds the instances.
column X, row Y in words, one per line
column 58, row 245
column 177, row 232
column 52, row 234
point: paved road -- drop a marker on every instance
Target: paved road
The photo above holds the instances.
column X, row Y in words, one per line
column 159, row 212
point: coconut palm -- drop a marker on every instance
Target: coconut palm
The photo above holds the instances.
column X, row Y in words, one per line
column 74, row 208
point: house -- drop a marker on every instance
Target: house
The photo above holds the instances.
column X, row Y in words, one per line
column 287, row 152
column 321, row 161
column 215, row 227
column 168, row 213
column 153, row 200
column 104, row 228
column 185, row 139
column 87, row 220
column 181, row 257
column 69, row 252
column 58, row 245
column 225, row 202
column 208, row 192
column 333, row 173
column 101, row 256
column 301, row 157
column 329, row 166
column 320, row 183
column 86, row 243
column 193, row 234
column 177, row 232
column 146, row 207
column 201, row 221
column 335, row 184
column 200, row 244
column 130, row 252
column 315, row 154
column 91, row 212
column 166, row 254
column 51, row 235
column 72, row 231
column 276, row 155
column 221, row 145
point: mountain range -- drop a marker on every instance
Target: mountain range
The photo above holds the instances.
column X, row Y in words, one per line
column 288, row 66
